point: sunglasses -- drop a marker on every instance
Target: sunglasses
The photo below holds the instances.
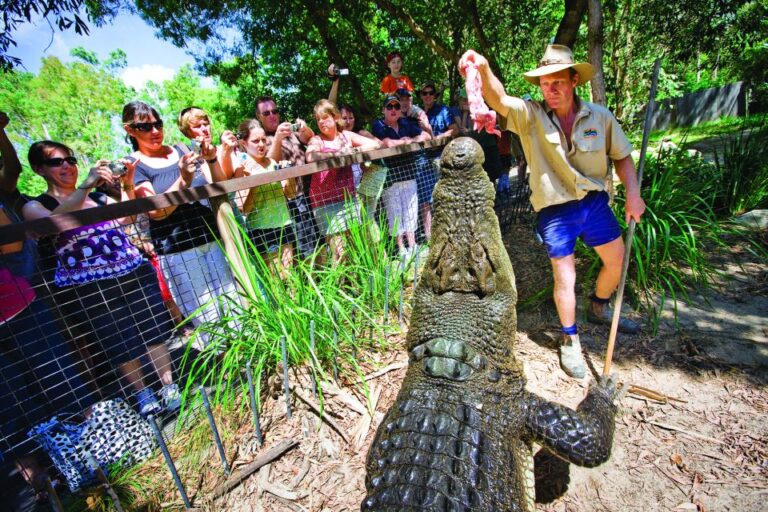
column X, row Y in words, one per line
column 427, row 93
column 58, row 162
column 147, row 127
column 273, row 112
column 393, row 106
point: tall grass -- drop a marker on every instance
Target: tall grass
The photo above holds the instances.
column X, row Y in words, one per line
column 337, row 297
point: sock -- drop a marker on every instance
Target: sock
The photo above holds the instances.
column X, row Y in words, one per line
column 597, row 300
column 572, row 330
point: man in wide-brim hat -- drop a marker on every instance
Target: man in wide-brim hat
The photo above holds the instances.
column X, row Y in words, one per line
column 567, row 143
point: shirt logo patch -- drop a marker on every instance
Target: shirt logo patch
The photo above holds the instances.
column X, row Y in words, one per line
column 590, row 133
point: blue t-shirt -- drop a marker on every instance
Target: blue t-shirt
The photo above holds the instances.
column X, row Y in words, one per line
column 440, row 119
column 401, row 167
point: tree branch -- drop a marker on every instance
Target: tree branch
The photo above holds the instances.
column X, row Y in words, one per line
column 595, row 40
column 438, row 47
column 485, row 45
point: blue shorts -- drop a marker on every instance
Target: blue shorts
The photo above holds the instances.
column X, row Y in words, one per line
column 590, row 218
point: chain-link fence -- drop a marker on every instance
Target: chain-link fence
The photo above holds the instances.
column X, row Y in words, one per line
column 118, row 311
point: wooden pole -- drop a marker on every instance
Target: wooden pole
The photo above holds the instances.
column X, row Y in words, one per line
column 631, row 228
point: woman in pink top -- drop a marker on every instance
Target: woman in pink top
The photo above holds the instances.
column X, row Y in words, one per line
column 331, row 191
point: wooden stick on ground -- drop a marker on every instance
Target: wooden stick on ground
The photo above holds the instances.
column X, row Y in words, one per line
column 264, row 458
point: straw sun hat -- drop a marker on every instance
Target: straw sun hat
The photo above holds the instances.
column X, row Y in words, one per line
column 556, row 58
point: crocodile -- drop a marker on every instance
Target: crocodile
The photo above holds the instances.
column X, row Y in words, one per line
column 460, row 434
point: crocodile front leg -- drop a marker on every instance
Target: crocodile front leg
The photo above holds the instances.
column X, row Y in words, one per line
column 584, row 436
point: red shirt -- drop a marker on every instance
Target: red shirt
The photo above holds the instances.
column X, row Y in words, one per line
column 391, row 84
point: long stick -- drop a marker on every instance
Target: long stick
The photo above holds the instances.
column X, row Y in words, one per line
column 631, row 228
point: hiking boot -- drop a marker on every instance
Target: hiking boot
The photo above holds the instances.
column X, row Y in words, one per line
column 148, row 403
column 605, row 317
column 571, row 358
column 170, row 397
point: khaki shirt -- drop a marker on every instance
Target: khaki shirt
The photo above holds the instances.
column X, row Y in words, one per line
column 559, row 175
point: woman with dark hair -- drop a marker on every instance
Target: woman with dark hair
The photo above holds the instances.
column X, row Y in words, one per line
column 102, row 283
column 184, row 236
column 39, row 375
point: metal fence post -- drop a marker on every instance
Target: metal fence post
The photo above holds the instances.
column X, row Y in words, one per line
column 169, row 461
column 216, row 437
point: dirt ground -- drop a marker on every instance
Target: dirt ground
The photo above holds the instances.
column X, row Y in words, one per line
column 702, row 445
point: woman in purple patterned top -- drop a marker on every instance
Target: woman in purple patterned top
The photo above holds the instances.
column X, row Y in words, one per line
column 104, row 286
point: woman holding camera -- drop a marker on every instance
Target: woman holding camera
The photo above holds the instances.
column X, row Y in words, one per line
column 103, row 286
column 184, row 236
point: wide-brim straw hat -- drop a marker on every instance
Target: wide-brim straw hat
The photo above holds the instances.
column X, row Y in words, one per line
column 556, row 58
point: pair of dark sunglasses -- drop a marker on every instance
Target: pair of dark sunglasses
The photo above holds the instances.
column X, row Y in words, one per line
column 58, row 162
column 273, row 112
column 393, row 106
column 427, row 93
column 147, row 127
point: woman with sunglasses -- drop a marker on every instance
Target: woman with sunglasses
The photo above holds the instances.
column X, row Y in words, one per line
column 184, row 236
column 332, row 192
column 102, row 283
column 400, row 191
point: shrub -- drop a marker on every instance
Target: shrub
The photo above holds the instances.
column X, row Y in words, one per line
column 742, row 167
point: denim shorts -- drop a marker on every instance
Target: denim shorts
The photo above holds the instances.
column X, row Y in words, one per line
column 590, row 218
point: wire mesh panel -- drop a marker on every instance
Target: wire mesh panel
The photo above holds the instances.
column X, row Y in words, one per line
column 118, row 309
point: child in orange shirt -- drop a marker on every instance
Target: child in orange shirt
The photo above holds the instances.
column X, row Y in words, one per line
column 394, row 80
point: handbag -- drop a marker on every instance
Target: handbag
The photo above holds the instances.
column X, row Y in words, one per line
column 61, row 441
column 114, row 435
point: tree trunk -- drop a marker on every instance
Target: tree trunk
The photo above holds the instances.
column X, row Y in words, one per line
column 595, row 39
column 568, row 31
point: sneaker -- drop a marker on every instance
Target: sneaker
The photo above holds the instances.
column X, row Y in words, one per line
column 626, row 325
column 148, row 403
column 571, row 358
column 171, row 397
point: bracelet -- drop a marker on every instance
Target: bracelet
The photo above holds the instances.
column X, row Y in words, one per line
column 212, row 161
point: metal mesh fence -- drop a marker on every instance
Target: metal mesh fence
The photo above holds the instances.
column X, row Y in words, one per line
column 115, row 301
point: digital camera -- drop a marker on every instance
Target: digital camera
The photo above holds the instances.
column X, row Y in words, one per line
column 340, row 72
column 295, row 127
column 118, row 168
column 195, row 146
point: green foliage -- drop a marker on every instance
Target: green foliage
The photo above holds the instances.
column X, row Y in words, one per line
column 80, row 104
column 680, row 228
column 742, row 168
column 72, row 103
column 336, row 298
